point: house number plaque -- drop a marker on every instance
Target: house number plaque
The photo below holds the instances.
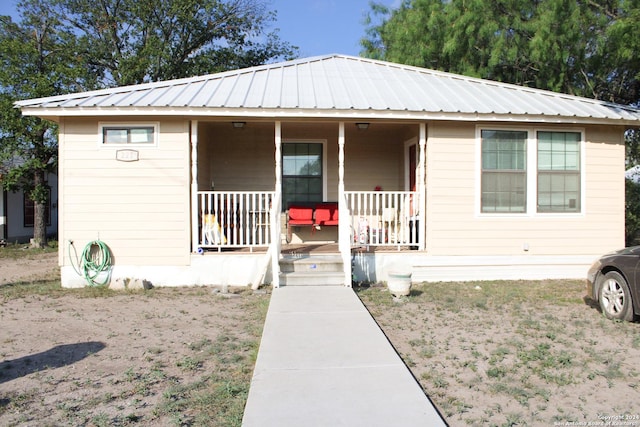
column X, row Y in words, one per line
column 127, row 156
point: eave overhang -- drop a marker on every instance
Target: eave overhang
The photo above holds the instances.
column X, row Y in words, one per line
column 55, row 114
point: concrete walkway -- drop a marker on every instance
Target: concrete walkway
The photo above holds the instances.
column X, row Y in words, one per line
column 323, row 361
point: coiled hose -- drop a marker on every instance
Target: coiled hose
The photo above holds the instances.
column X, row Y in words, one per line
column 94, row 262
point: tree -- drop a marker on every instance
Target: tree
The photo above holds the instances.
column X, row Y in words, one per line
column 133, row 41
column 632, row 216
column 36, row 60
column 580, row 47
column 63, row 46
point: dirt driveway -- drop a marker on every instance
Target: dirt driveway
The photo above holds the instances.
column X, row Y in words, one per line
column 94, row 358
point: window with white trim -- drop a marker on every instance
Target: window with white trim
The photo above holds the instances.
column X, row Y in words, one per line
column 128, row 134
column 558, row 171
column 530, row 171
column 302, row 180
column 504, row 171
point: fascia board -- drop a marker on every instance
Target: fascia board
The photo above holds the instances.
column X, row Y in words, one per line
column 57, row 112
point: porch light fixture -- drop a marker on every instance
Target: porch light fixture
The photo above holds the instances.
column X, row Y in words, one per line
column 238, row 125
column 363, row 126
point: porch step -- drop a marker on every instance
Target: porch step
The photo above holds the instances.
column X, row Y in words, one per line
column 311, row 270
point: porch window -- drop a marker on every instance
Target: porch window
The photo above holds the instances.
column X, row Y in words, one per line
column 504, row 174
column 29, row 209
column 559, row 171
column 301, row 173
column 128, row 135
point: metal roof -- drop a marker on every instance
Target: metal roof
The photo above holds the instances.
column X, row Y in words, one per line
column 336, row 86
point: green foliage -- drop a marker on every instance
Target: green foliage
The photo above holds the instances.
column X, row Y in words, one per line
column 63, row 46
column 36, row 60
column 632, row 210
column 632, row 139
column 576, row 47
column 132, row 41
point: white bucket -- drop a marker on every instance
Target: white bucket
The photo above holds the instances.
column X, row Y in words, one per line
column 399, row 283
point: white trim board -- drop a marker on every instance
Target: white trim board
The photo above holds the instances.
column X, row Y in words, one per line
column 425, row 268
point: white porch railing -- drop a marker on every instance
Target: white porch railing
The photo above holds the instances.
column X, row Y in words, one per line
column 247, row 218
column 383, row 218
column 235, row 218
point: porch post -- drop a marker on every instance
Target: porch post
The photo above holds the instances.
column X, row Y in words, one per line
column 193, row 135
column 276, row 209
column 343, row 216
column 422, row 215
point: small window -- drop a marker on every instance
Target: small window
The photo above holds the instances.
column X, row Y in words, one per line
column 128, row 135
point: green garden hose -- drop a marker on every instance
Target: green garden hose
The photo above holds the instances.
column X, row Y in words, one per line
column 95, row 261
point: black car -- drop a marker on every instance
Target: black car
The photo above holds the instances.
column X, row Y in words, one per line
column 613, row 282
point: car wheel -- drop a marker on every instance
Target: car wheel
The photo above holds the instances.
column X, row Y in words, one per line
column 615, row 297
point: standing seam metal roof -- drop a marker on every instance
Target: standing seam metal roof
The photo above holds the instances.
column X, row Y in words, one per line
column 339, row 83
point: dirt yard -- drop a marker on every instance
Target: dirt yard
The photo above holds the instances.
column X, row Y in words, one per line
column 28, row 267
column 515, row 353
column 162, row 357
column 487, row 354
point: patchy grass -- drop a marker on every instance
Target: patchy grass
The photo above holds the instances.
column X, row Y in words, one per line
column 96, row 357
column 51, row 289
column 18, row 250
column 513, row 353
column 487, row 353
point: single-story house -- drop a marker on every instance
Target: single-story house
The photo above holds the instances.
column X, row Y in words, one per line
column 17, row 213
column 206, row 180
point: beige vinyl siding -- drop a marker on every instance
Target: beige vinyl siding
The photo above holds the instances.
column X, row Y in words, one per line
column 605, row 169
column 455, row 226
column 450, row 181
column 236, row 159
column 374, row 157
column 140, row 209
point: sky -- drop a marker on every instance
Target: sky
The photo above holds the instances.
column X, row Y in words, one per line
column 320, row 27
column 317, row 27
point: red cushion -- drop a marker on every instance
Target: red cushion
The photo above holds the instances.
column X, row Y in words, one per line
column 300, row 215
column 327, row 214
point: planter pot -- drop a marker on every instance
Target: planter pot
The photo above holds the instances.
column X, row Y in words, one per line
column 399, row 283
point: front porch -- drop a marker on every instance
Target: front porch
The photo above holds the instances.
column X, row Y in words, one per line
column 248, row 222
column 296, row 164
